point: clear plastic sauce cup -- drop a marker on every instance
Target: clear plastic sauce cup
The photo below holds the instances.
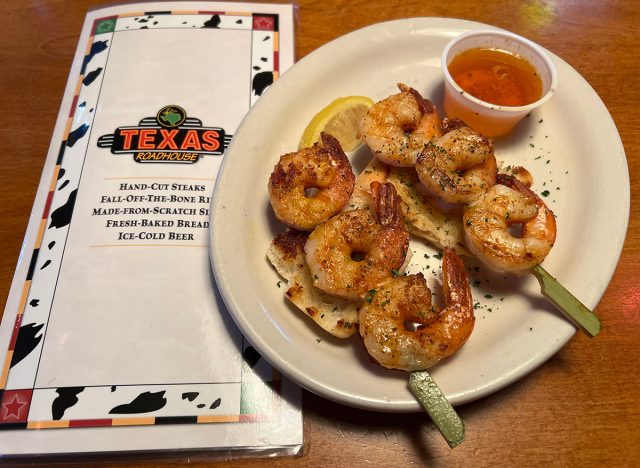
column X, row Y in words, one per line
column 489, row 119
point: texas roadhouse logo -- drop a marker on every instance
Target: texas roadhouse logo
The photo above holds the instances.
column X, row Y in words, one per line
column 169, row 137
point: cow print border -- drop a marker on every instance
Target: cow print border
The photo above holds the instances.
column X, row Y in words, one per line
column 23, row 406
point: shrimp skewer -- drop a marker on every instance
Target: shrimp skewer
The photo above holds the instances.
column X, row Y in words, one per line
column 309, row 186
column 487, row 225
column 408, row 299
column 397, row 128
column 356, row 250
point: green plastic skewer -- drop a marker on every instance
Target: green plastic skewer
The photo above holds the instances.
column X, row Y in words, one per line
column 567, row 303
column 431, row 398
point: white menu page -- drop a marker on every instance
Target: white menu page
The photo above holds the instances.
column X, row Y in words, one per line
column 114, row 336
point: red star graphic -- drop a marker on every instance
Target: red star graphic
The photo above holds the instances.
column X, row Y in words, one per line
column 12, row 409
column 263, row 23
column 15, row 405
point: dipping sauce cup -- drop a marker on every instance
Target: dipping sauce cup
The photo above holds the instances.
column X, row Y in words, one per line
column 489, row 119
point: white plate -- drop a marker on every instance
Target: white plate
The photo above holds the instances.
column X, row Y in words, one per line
column 571, row 146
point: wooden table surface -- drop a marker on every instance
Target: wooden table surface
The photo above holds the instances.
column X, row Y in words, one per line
column 581, row 408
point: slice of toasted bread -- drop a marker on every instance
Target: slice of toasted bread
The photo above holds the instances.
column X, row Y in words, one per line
column 438, row 224
column 337, row 316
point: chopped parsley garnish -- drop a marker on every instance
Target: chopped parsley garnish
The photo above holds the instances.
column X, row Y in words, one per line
column 371, row 293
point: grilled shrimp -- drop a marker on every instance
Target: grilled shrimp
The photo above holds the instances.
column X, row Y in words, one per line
column 309, row 186
column 487, row 223
column 407, row 299
column 356, row 250
column 457, row 167
column 397, row 128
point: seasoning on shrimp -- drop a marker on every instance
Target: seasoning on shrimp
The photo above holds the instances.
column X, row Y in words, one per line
column 397, row 128
column 487, row 223
column 407, row 299
column 356, row 250
column 459, row 166
column 309, row 186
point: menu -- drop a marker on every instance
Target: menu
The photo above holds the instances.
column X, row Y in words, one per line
column 114, row 337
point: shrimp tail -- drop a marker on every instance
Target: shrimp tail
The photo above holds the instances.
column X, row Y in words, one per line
column 512, row 182
column 387, row 204
column 331, row 144
column 519, row 173
column 515, row 184
column 450, row 124
column 425, row 106
column 455, row 281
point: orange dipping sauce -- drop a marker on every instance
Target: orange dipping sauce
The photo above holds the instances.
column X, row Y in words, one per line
column 497, row 77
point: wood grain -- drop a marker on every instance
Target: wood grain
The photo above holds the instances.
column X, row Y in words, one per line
column 581, row 408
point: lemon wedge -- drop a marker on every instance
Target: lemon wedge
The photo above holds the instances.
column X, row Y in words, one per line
column 340, row 119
